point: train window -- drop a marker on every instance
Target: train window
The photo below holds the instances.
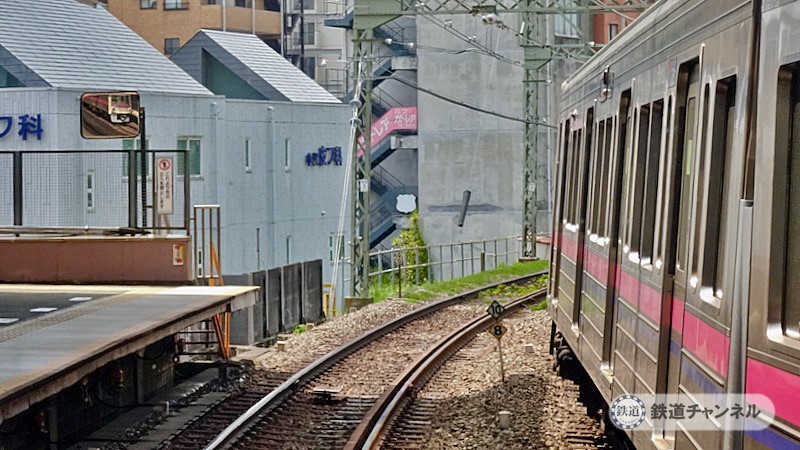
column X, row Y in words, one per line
column 651, row 182
column 576, row 178
column 661, row 219
column 595, row 169
column 787, row 156
column 639, row 176
column 604, row 132
column 606, row 178
column 700, row 186
column 686, row 182
column 718, row 173
column 627, row 179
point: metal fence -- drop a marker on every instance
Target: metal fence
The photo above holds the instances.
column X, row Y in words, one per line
column 90, row 189
column 416, row 265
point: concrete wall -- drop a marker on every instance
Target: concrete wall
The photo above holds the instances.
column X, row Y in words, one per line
column 460, row 149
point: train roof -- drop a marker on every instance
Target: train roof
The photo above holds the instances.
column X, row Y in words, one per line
column 71, row 45
column 601, row 59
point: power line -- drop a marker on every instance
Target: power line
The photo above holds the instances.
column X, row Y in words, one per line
column 462, row 103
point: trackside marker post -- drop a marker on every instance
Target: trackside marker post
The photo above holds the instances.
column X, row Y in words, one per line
column 498, row 330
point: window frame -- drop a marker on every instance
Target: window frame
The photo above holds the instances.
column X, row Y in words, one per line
column 192, row 160
column 167, row 47
column 148, row 4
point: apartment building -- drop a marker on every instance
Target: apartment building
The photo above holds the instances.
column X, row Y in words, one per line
column 168, row 24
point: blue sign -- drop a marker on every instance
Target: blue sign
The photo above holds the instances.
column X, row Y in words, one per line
column 29, row 124
column 325, row 156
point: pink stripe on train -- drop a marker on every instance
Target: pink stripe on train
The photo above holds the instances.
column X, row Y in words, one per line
column 783, row 388
column 677, row 314
column 707, row 343
column 596, row 265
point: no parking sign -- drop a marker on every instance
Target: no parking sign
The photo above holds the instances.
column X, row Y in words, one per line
column 164, row 186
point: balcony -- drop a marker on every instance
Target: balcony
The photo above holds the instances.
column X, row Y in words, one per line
column 240, row 18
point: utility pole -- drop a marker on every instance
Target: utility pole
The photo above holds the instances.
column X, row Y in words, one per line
column 536, row 57
column 368, row 15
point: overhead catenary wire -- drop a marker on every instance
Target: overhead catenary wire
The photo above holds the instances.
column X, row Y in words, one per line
column 462, row 103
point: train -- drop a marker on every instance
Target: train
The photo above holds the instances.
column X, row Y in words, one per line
column 675, row 256
column 116, row 107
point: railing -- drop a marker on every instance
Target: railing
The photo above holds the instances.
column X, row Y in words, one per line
column 444, row 261
column 93, row 189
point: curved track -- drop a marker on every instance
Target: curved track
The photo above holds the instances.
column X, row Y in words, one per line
column 290, row 402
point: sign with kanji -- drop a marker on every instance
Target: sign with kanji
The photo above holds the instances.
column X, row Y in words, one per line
column 495, row 309
column 497, row 330
column 164, row 186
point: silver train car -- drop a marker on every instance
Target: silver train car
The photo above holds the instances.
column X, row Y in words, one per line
column 675, row 263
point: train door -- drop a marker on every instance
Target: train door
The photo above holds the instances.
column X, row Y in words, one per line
column 623, row 119
column 679, row 214
column 558, row 214
column 583, row 191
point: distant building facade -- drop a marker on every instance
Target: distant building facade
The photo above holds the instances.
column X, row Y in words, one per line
column 168, row 24
column 251, row 156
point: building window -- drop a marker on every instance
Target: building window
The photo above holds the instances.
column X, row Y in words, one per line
column 288, row 249
column 136, row 144
column 176, row 4
column 567, row 24
column 192, row 146
column 310, row 66
column 286, row 150
column 247, row 156
column 308, row 33
column 309, row 5
column 171, row 45
column 333, row 240
column 148, row 4
column 90, row 191
column 613, row 30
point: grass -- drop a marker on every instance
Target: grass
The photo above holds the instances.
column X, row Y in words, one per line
column 430, row 290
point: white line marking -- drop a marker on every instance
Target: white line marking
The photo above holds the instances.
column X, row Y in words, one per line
column 43, row 310
column 80, row 299
column 7, row 320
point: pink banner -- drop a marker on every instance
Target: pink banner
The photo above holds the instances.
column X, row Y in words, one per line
column 396, row 119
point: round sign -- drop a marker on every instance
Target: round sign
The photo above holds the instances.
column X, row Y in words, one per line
column 627, row 412
column 164, row 164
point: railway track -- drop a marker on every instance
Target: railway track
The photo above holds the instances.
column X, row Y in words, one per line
column 313, row 408
column 413, row 426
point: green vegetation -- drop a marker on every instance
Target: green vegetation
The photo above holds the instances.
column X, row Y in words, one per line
column 411, row 239
column 431, row 290
column 299, row 329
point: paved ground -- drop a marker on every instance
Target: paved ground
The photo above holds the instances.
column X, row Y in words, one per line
column 21, row 303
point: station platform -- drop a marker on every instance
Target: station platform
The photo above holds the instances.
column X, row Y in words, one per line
column 52, row 336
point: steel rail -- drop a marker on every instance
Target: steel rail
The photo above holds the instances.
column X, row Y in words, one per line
column 230, row 434
column 373, row 428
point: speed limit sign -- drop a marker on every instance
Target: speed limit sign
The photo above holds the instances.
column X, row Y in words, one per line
column 497, row 330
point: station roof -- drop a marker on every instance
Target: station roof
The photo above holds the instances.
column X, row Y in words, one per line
column 68, row 44
column 64, row 333
column 261, row 68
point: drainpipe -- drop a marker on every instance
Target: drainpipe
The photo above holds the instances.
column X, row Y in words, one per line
column 224, row 15
column 274, row 164
column 253, row 15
